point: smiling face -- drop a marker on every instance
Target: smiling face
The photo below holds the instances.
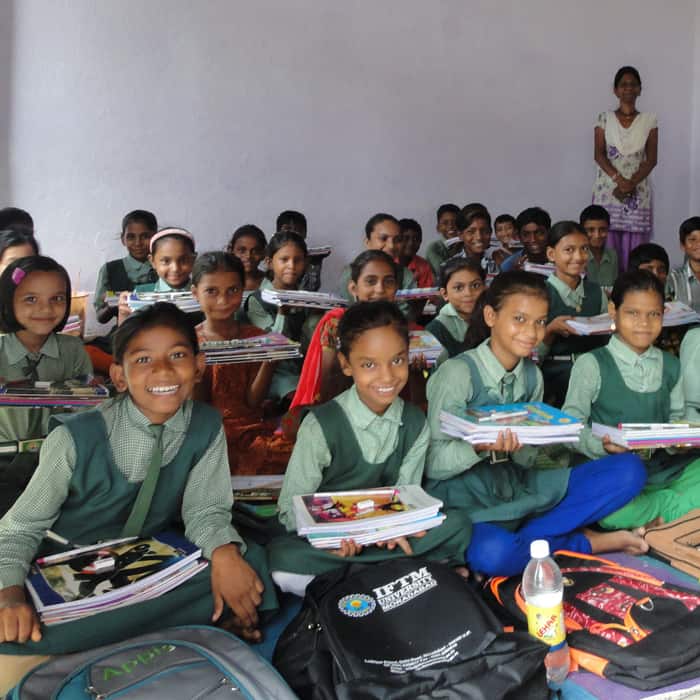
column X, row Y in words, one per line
column 639, row 319
column 517, row 327
column 40, row 303
column 159, row 370
column 534, row 240
column 476, row 238
column 411, row 243
column 597, row 232
column 287, row 266
column 249, row 251
column 385, row 236
column 628, row 89
column 15, row 252
column 570, row 256
column 172, row 261
column 219, row 294
column 377, row 281
column 136, row 237
column 447, row 225
column 691, row 246
column 463, row 291
column 378, row 365
column 505, row 232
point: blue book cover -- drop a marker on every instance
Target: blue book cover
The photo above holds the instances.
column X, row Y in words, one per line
column 533, row 413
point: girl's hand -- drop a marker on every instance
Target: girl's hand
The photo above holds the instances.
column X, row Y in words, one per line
column 558, row 326
column 18, row 619
column 507, row 441
column 401, row 542
column 611, row 448
column 348, row 548
column 625, row 186
column 123, row 309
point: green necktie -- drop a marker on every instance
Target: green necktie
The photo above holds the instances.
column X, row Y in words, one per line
column 142, row 504
column 508, row 382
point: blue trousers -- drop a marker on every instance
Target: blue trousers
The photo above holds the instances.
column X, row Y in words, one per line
column 595, row 490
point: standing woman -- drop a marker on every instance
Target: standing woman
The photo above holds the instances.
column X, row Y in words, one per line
column 625, row 150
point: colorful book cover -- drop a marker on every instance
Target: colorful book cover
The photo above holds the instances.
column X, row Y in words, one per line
column 534, row 413
column 348, row 507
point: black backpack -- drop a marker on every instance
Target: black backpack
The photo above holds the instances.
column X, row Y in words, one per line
column 405, row 629
column 622, row 624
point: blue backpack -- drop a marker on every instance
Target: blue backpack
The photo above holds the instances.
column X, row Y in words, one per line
column 193, row 662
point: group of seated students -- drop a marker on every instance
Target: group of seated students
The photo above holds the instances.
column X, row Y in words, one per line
column 347, row 416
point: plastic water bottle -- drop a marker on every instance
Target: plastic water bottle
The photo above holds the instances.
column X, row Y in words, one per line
column 543, row 591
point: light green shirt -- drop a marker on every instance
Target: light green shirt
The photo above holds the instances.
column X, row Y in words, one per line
column 641, row 373
column 437, row 253
column 690, row 371
column 160, row 285
column 136, row 271
column 453, row 322
column 605, row 271
column 62, row 357
column 450, row 389
column 377, row 436
column 206, row 503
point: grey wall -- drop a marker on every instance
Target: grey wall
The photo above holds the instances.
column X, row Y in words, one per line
column 219, row 113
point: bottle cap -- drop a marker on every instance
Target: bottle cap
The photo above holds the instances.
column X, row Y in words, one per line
column 539, row 549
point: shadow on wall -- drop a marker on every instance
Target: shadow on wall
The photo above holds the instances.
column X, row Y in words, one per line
column 6, row 76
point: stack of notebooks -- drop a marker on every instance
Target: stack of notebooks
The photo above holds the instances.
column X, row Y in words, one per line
column 110, row 575
column 642, row 436
column 72, row 326
column 183, row 300
column 309, row 300
column 320, row 251
column 425, row 344
column 82, row 391
column 367, row 517
column 545, row 269
column 676, row 313
column 419, row 293
column 259, row 348
column 534, row 423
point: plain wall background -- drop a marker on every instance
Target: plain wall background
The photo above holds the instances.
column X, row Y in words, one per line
column 219, row 113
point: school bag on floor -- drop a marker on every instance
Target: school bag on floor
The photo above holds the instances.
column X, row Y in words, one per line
column 180, row 663
column 622, row 624
column 677, row 542
column 405, row 629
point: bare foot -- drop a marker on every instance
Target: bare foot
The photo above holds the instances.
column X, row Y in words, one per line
column 656, row 522
column 462, row 571
column 235, row 626
column 616, row 541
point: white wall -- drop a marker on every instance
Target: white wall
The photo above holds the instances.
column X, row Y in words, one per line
column 219, row 113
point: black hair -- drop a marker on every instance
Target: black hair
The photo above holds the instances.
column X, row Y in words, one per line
column 503, row 286
column 635, row 281
column 177, row 236
column 216, row 261
column 645, row 253
column 12, row 277
column 533, row 215
column 447, row 209
column 687, row 227
column 140, row 216
column 13, row 216
column 622, row 72
column 295, row 218
column 368, row 256
column 17, row 235
column 248, row 230
column 594, row 212
column 453, row 265
column 377, row 219
column 411, row 225
column 279, row 240
column 504, row 219
column 162, row 314
column 471, row 213
column 562, row 229
column 365, row 316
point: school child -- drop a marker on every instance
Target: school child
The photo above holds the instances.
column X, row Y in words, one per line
column 461, row 283
column 412, row 237
column 684, row 281
column 124, row 274
column 291, row 221
column 602, row 261
column 569, row 296
column 35, row 297
column 248, row 245
column 506, row 233
column 632, row 381
column 91, row 484
column 532, row 225
column 690, row 361
column 285, row 257
column 16, row 242
column 237, row 391
column 367, row 437
column 474, row 226
column 513, row 502
column 438, row 252
column 11, row 217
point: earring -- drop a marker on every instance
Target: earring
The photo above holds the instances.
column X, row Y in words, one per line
column 613, row 327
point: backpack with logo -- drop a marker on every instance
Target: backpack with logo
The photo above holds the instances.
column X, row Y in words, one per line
column 622, row 624
column 405, row 629
column 180, row 663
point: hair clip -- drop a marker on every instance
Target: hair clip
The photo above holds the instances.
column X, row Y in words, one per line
column 18, row 275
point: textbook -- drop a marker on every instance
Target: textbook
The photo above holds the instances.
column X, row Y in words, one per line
column 419, row 293
column 72, row 326
column 304, row 299
column 81, row 391
column 183, row 300
column 259, row 348
column 88, row 580
column 545, row 269
column 367, row 516
column 426, row 344
column 319, row 251
column 534, row 423
column 641, row 436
